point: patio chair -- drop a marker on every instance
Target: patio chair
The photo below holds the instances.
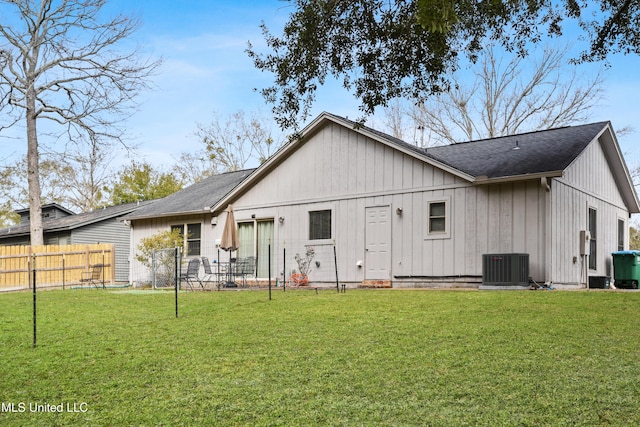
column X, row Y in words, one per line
column 93, row 276
column 192, row 273
column 246, row 267
column 209, row 273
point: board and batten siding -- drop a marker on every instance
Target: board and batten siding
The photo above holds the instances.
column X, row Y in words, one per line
column 587, row 183
column 347, row 172
column 506, row 218
column 342, row 164
column 111, row 231
column 350, row 174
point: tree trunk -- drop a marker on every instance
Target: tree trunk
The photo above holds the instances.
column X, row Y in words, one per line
column 33, row 169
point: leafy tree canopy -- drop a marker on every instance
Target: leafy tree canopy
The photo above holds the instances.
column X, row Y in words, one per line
column 381, row 50
column 634, row 238
column 140, row 181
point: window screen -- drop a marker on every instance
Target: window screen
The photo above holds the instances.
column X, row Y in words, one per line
column 320, row 225
column 193, row 239
column 437, row 217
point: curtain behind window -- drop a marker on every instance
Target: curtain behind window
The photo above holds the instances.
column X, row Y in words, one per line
column 246, row 237
column 265, row 237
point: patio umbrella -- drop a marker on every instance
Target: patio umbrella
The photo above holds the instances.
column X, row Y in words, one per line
column 230, row 241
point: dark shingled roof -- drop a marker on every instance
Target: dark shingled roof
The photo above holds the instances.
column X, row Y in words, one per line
column 541, row 151
column 193, row 199
column 528, row 153
column 71, row 222
column 545, row 153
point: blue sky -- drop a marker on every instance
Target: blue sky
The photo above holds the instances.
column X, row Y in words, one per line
column 207, row 71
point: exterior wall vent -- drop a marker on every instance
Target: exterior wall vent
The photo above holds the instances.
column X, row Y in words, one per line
column 505, row 270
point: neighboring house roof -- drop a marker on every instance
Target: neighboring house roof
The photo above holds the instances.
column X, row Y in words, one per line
column 195, row 199
column 74, row 221
column 50, row 205
column 524, row 156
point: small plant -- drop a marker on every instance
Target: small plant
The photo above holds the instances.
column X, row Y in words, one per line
column 154, row 253
column 161, row 240
column 304, row 266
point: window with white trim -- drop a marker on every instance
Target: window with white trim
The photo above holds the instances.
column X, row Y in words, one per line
column 621, row 230
column 255, row 237
column 438, row 219
column 192, row 237
column 593, row 221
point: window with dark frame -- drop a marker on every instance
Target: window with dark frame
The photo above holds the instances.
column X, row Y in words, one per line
column 320, row 225
column 437, row 217
column 592, row 243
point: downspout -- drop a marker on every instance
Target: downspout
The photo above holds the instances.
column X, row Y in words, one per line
column 545, row 184
column 548, row 230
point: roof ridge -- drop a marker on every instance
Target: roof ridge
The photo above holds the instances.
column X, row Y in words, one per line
column 424, row 150
column 495, row 138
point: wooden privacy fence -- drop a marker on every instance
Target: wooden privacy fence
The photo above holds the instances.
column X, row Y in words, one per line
column 55, row 265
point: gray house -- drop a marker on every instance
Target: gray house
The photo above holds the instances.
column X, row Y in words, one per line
column 401, row 216
column 63, row 227
column 188, row 210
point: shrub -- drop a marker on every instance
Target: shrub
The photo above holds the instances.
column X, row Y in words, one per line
column 161, row 240
column 304, row 263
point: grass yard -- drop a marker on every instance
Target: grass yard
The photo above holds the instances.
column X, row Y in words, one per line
column 365, row 358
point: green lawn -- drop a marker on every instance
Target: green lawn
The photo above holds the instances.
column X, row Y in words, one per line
column 365, row 358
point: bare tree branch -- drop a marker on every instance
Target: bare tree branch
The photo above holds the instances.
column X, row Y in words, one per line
column 233, row 144
column 61, row 61
column 508, row 96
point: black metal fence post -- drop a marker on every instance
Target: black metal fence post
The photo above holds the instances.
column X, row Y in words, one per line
column 335, row 262
column 284, row 269
column 269, row 268
column 176, row 278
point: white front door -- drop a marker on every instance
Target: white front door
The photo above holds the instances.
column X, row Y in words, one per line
column 378, row 243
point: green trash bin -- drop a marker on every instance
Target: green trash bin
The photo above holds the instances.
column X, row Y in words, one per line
column 626, row 269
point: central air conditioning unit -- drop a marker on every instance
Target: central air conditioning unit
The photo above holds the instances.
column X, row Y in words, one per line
column 505, row 270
